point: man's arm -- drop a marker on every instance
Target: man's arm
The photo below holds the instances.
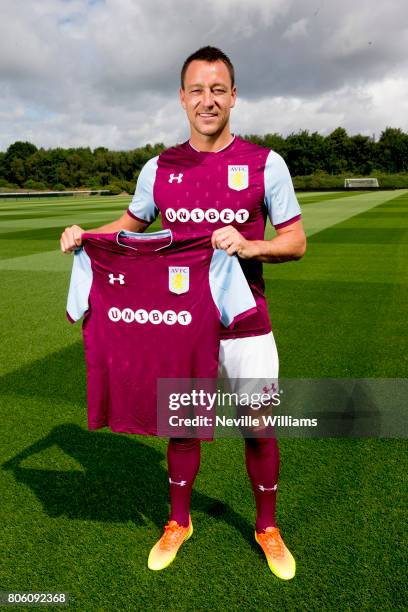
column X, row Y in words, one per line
column 288, row 244
column 141, row 212
column 71, row 238
column 284, row 213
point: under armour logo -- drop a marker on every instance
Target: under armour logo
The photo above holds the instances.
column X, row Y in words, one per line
column 182, row 483
column 262, row 488
column 176, row 177
column 120, row 278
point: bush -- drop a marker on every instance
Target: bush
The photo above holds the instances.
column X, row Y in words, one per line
column 113, row 190
column 58, row 187
column 321, row 180
column 128, row 186
column 6, row 186
column 93, row 183
column 318, row 180
column 123, row 185
column 391, row 181
column 36, row 185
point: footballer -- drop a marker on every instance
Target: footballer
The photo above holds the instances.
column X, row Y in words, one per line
column 220, row 184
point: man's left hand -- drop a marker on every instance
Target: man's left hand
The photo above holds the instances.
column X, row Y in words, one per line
column 229, row 239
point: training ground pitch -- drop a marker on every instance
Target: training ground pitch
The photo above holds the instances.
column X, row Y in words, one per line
column 80, row 510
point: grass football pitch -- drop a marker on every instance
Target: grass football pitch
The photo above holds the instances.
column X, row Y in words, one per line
column 80, row 510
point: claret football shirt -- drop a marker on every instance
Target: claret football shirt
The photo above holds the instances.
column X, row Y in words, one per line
column 152, row 307
column 197, row 192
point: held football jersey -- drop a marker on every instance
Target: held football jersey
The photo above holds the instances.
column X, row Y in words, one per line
column 152, row 307
column 197, row 192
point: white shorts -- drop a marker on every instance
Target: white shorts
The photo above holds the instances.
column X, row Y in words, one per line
column 254, row 357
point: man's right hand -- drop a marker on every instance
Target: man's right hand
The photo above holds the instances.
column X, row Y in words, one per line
column 71, row 238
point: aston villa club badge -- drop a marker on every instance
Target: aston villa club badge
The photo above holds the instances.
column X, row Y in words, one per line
column 179, row 279
column 238, row 177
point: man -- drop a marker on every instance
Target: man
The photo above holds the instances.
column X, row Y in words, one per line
column 223, row 185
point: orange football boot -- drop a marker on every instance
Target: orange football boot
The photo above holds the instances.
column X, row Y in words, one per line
column 279, row 558
column 165, row 550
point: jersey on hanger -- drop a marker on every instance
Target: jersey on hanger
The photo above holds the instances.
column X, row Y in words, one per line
column 197, row 192
column 152, row 307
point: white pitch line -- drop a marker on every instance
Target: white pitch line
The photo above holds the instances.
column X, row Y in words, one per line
column 321, row 215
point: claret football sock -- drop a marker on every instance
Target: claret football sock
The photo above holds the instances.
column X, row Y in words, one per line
column 183, row 459
column 262, row 462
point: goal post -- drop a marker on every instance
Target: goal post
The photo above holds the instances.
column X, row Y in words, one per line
column 361, row 183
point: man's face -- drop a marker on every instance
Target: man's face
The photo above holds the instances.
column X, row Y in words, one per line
column 207, row 96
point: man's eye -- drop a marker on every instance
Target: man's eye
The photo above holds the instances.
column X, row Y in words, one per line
column 219, row 91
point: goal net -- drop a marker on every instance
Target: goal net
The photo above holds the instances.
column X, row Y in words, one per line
column 360, row 183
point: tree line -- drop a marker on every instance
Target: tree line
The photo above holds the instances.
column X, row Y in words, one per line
column 24, row 165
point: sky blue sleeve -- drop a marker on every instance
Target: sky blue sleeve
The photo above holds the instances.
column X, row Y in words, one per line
column 280, row 197
column 142, row 206
column 80, row 286
column 229, row 288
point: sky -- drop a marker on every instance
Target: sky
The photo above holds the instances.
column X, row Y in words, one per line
column 106, row 72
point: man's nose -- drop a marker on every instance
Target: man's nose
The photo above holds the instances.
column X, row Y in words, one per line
column 208, row 98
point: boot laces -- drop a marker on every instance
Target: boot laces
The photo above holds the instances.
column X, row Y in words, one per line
column 272, row 541
column 173, row 533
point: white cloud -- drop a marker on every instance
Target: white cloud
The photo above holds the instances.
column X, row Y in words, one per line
column 297, row 29
column 77, row 72
column 365, row 110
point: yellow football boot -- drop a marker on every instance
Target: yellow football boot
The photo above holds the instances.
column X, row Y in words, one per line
column 165, row 550
column 279, row 558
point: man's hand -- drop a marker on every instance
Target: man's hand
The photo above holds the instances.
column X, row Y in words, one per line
column 289, row 244
column 229, row 239
column 71, row 238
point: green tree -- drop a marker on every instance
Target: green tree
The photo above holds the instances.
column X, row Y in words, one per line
column 337, row 149
column 361, row 155
column 16, row 172
column 20, row 149
column 14, row 161
column 392, row 150
column 304, row 152
column 2, row 165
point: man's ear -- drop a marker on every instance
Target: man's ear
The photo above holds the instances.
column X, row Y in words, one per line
column 233, row 96
column 182, row 97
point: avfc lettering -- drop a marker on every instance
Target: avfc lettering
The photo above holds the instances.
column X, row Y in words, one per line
column 155, row 317
column 211, row 215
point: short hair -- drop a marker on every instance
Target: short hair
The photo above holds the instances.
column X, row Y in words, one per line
column 208, row 54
